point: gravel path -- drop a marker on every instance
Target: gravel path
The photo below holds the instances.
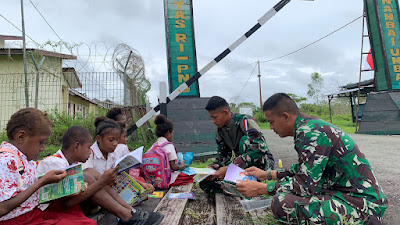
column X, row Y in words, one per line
column 383, row 153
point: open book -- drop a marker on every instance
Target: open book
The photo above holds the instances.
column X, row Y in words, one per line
column 71, row 184
column 201, row 173
column 130, row 160
column 233, row 175
column 130, row 190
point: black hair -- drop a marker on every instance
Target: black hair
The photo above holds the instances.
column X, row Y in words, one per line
column 75, row 134
column 279, row 103
column 114, row 113
column 29, row 119
column 104, row 124
column 164, row 125
column 217, row 102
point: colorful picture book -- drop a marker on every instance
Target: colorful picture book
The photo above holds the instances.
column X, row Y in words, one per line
column 233, row 175
column 71, row 184
column 201, row 173
column 236, row 174
column 130, row 190
column 130, row 160
column 156, row 194
column 183, row 195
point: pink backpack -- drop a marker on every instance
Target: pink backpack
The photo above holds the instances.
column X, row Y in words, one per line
column 155, row 166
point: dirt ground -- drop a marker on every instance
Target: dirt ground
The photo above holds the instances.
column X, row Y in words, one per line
column 383, row 153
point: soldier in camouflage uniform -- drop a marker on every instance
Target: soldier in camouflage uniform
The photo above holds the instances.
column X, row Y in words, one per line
column 240, row 141
column 333, row 181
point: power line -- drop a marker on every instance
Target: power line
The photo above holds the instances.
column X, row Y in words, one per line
column 61, row 41
column 246, row 82
column 19, row 29
column 314, row 42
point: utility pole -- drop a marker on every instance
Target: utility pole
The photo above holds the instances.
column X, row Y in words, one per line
column 24, row 55
column 259, row 83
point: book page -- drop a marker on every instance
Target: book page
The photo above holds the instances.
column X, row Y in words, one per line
column 132, row 159
column 235, row 174
column 71, row 184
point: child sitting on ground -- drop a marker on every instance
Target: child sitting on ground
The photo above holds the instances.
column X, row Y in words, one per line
column 165, row 134
column 104, row 152
column 27, row 132
column 76, row 144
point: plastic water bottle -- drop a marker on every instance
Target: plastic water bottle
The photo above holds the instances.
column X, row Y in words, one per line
column 280, row 164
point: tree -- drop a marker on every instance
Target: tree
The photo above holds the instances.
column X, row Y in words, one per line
column 297, row 99
column 315, row 87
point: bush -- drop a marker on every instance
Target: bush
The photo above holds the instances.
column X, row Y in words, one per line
column 61, row 123
column 260, row 117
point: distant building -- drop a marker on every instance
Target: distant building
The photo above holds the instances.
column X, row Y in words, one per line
column 56, row 83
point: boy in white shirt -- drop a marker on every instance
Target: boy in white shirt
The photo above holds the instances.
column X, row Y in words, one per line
column 76, row 148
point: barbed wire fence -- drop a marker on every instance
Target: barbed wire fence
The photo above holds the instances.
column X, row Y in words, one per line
column 88, row 85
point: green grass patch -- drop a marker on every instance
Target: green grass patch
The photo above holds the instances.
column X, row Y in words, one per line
column 344, row 122
column 201, row 164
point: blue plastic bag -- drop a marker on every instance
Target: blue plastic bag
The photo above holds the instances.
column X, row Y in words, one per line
column 188, row 158
column 180, row 158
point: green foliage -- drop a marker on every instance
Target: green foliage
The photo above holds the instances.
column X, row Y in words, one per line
column 62, row 121
column 315, row 87
column 3, row 136
column 297, row 99
column 260, row 117
column 202, row 164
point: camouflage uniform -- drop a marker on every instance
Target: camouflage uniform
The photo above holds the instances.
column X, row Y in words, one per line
column 332, row 183
column 243, row 137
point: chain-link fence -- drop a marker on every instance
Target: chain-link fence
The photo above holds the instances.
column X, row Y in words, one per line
column 76, row 94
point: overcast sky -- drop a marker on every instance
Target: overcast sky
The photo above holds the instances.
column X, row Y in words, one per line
column 140, row 24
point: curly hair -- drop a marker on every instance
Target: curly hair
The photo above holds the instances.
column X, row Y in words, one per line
column 164, row 125
column 114, row 113
column 75, row 134
column 104, row 125
column 30, row 120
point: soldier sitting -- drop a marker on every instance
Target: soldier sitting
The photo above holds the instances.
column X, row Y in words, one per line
column 237, row 134
column 332, row 183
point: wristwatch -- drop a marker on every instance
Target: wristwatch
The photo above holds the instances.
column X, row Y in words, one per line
column 269, row 174
column 271, row 187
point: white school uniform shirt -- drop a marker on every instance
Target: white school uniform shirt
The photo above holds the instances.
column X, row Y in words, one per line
column 11, row 183
column 98, row 162
column 54, row 162
column 171, row 153
column 122, row 150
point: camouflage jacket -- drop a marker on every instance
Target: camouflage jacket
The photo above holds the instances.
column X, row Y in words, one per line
column 243, row 137
column 330, row 162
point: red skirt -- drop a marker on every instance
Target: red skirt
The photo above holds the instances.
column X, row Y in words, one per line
column 182, row 179
column 53, row 215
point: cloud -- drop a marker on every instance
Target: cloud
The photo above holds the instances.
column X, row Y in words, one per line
column 218, row 24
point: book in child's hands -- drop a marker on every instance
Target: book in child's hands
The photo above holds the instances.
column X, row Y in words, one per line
column 183, row 195
column 71, row 184
column 130, row 190
column 201, row 173
column 130, row 160
column 233, row 175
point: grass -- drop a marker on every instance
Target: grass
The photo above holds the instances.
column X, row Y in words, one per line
column 344, row 122
column 201, row 164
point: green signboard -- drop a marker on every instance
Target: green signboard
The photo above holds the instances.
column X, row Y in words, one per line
column 384, row 31
column 181, row 49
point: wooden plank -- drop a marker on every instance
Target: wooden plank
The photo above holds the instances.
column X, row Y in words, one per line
column 201, row 210
column 230, row 211
column 173, row 209
column 263, row 217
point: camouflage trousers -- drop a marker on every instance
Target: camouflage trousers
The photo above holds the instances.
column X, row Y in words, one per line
column 209, row 186
column 320, row 209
